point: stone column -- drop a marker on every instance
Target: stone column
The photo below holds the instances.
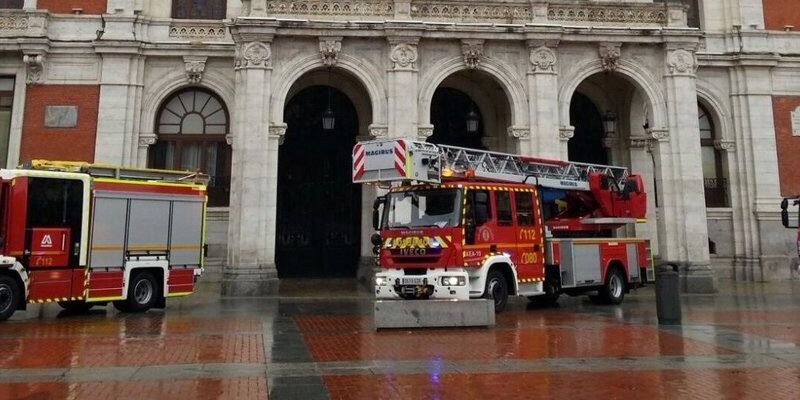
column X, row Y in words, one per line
column 250, row 266
column 682, row 228
column 641, row 161
column 403, row 78
column 761, row 252
column 543, row 105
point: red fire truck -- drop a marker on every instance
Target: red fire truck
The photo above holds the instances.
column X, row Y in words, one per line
column 460, row 223
column 83, row 234
column 795, row 202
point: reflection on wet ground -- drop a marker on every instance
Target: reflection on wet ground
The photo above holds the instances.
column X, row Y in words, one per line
column 317, row 341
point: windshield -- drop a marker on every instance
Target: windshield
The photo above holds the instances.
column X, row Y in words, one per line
column 422, row 208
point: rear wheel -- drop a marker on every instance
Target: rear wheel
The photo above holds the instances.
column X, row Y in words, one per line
column 496, row 290
column 9, row 297
column 550, row 296
column 613, row 292
column 76, row 306
column 143, row 292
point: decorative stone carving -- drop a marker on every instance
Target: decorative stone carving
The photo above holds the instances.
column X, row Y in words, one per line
column 194, row 66
column 661, row 135
column 329, row 48
column 370, row 8
column 35, row 66
column 278, row 132
column 609, row 55
column 197, row 31
column 519, row 132
column 379, row 131
column 543, row 59
column 404, row 55
column 147, row 139
column 469, row 11
column 725, row 145
column 424, row 132
column 229, row 139
column 473, row 52
column 13, row 22
column 682, row 62
column 252, row 55
column 566, row 133
column 624, row 13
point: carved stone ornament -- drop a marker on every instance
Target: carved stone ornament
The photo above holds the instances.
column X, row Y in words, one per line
column 519, row 132
column 147, row 139
column 725, row 145
column 473, row 52
column 194, row 66
column 35, row 66
column 252, row 55
column 566, row 133
column 661, row 135
column 379, row 131
column 404, row 55
column 229, row 139
column 425, row 131
column 329, row 49
column 543, row 59
column 682, row 62
column 278, row 132
column 609, row 56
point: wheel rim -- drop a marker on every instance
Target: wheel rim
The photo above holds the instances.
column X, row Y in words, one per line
column 6, row 297
column 143, row 291
column 496, row 290
column 615, row 286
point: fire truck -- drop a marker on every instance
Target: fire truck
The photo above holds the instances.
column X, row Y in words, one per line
column 459, row 223
column 795, row 202
column 82, row 234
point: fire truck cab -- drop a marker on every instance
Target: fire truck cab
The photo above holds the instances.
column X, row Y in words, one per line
column 81, row 234
column 466, row 223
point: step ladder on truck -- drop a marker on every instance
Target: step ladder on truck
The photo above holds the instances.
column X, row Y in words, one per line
column 463, row 224
column 81, row 234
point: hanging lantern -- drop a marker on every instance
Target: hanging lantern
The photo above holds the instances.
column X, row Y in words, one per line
column 610, row 123
column 473, row 119
column 328, row 119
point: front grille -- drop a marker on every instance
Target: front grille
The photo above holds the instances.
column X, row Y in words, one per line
column 415, row 260
column 415, row 271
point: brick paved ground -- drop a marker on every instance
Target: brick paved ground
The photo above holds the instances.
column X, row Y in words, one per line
column 309, row 344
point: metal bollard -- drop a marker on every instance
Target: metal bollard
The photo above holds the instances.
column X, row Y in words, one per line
column 668, row 299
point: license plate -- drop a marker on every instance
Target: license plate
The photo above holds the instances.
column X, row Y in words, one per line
column 411, row 281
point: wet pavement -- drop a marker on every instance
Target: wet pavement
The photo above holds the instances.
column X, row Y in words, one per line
column 316, row 341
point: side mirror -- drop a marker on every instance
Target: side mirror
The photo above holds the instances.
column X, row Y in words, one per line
column 785, row 213
column 376, row 206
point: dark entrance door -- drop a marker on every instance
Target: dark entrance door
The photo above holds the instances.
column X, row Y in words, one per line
column 449, row 109
column 587, row 144
column 319, row 208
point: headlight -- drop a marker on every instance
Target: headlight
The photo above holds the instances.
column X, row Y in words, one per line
column 453, row 281
column 380, row 281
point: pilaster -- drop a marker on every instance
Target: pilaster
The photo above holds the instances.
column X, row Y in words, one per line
column 544, row 140
column 403, row 78
column 682, row 228
column 250, row 265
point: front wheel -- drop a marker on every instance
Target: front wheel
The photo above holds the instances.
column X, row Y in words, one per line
column 497, row 290
column 613, row 292
column 143, row 292
column 9, row 297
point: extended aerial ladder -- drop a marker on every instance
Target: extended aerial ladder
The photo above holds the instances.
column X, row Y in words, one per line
column 100, row 170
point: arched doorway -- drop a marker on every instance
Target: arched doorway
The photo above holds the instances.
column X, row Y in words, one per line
column 319, row 208
column 587, row 143
column 450, row 109
column 714, row 182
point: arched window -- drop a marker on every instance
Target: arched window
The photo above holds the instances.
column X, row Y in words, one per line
column 716, row 186
column 199, row 9
column 191, row 129
column 11, row 4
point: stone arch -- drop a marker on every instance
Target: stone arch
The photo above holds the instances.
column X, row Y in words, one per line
column 504, row 75
column 367, row 75
column 633, row 72
column 712, row 100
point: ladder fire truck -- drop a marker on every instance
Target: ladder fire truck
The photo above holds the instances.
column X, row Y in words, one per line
column 460, row 223
column 785, row 218
column 84, row 234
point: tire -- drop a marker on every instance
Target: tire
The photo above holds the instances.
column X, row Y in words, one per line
column 143, row 292
column 77, row 307
column 613, row 292
column 9, row 297
column 497, row 290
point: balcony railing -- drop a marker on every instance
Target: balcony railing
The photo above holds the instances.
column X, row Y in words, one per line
column 716, row 191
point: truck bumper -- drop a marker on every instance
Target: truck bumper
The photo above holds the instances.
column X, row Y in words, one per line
column 395, row 284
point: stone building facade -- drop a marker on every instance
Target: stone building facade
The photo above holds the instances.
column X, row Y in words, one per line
column 703, row 99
